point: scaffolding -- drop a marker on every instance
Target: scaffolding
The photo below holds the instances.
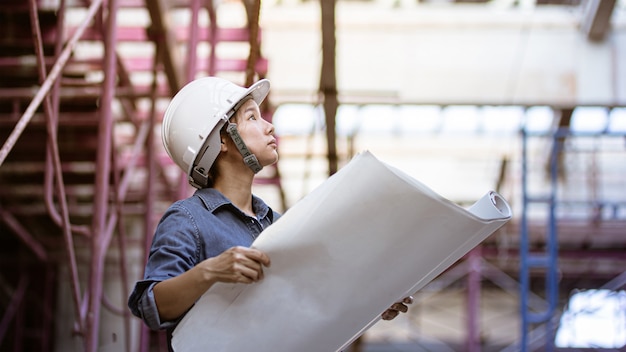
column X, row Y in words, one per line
column 80, row 160
column 572, row 192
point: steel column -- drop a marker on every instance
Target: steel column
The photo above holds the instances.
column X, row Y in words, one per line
column 100, row 239
column 53, row 152
column 474, row 276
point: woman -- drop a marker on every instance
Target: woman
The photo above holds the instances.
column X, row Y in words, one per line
column 214, row 131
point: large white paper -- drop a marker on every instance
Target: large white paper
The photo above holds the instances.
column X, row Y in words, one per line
column 367, row 237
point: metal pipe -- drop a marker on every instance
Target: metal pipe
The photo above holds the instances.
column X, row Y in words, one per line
column 54, row 152
column 151, row 164
column 124, row 275
column 125, row 313
column 212, row 37
column 52, row 120
column 103, row 166
column 253, row 10
column 524, row 246
column 192, row 44
column 136, row 91
column 115, row 219
column 473, row 300
column 47, row 84
column 192, row 63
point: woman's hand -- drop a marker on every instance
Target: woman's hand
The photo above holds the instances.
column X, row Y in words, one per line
column 397, row 308
column 236, row 264
column 176, row 295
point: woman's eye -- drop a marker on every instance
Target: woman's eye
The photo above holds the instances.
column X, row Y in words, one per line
column 252, row 117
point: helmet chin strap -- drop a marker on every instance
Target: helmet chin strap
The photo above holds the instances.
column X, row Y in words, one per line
column 248, row 158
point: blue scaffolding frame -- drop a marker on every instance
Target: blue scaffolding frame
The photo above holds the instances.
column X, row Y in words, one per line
column 547, row 258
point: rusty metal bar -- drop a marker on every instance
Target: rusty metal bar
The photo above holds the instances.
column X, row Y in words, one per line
column 47, row 84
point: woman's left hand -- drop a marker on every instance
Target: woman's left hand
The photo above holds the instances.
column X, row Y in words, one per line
column 397, row 308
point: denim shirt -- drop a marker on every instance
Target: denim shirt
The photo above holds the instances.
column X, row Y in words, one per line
column 192, row 230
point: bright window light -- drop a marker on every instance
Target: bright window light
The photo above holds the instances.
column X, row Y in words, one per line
column 593, row 319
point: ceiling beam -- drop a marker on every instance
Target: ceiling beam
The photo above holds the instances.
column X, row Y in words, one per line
column 164, row 36
column 596, row 20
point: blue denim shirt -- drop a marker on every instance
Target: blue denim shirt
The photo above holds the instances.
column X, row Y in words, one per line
column 192, row 230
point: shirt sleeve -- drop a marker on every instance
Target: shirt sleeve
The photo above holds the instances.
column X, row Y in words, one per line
column 143, row 305
column 174, row 250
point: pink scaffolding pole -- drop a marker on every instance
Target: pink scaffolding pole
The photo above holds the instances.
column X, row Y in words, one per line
column 52, row 114
column 53, row 151
column 144, row 342
column 192, row 44
column 103, row 166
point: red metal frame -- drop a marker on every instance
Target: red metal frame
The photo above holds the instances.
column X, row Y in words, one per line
column 113, row 171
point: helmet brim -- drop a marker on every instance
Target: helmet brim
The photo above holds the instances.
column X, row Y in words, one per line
column 258, row 91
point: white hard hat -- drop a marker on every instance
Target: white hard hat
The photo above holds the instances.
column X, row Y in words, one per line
column 194, row 117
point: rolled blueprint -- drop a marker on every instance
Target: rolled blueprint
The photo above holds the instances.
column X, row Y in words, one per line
column 367, row 237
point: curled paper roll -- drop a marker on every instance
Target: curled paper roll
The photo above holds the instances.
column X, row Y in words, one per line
column 364, row 239
column 491, row 206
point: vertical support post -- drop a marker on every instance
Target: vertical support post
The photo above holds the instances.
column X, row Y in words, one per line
column 192, row 44
column 253, row 10
column 548, row 259
column 328, row 80
column 103, row 166
column 212, row 37
column 524, row 246
column 151, row 165
column 52, row 152
column 473, row 300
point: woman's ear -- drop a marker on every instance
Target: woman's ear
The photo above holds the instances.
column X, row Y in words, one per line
column 223, row 147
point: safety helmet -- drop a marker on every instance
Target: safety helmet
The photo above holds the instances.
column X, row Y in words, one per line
column 193, row 120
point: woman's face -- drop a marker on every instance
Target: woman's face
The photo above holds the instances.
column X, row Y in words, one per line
column 257, row 133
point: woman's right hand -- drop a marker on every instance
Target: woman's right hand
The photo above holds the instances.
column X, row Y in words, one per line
column 176, row 295
column 236, row 265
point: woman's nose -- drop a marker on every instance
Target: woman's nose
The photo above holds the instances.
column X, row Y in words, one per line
column 270, row 127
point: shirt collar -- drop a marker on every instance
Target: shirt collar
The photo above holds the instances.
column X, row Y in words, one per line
column 214, row 199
